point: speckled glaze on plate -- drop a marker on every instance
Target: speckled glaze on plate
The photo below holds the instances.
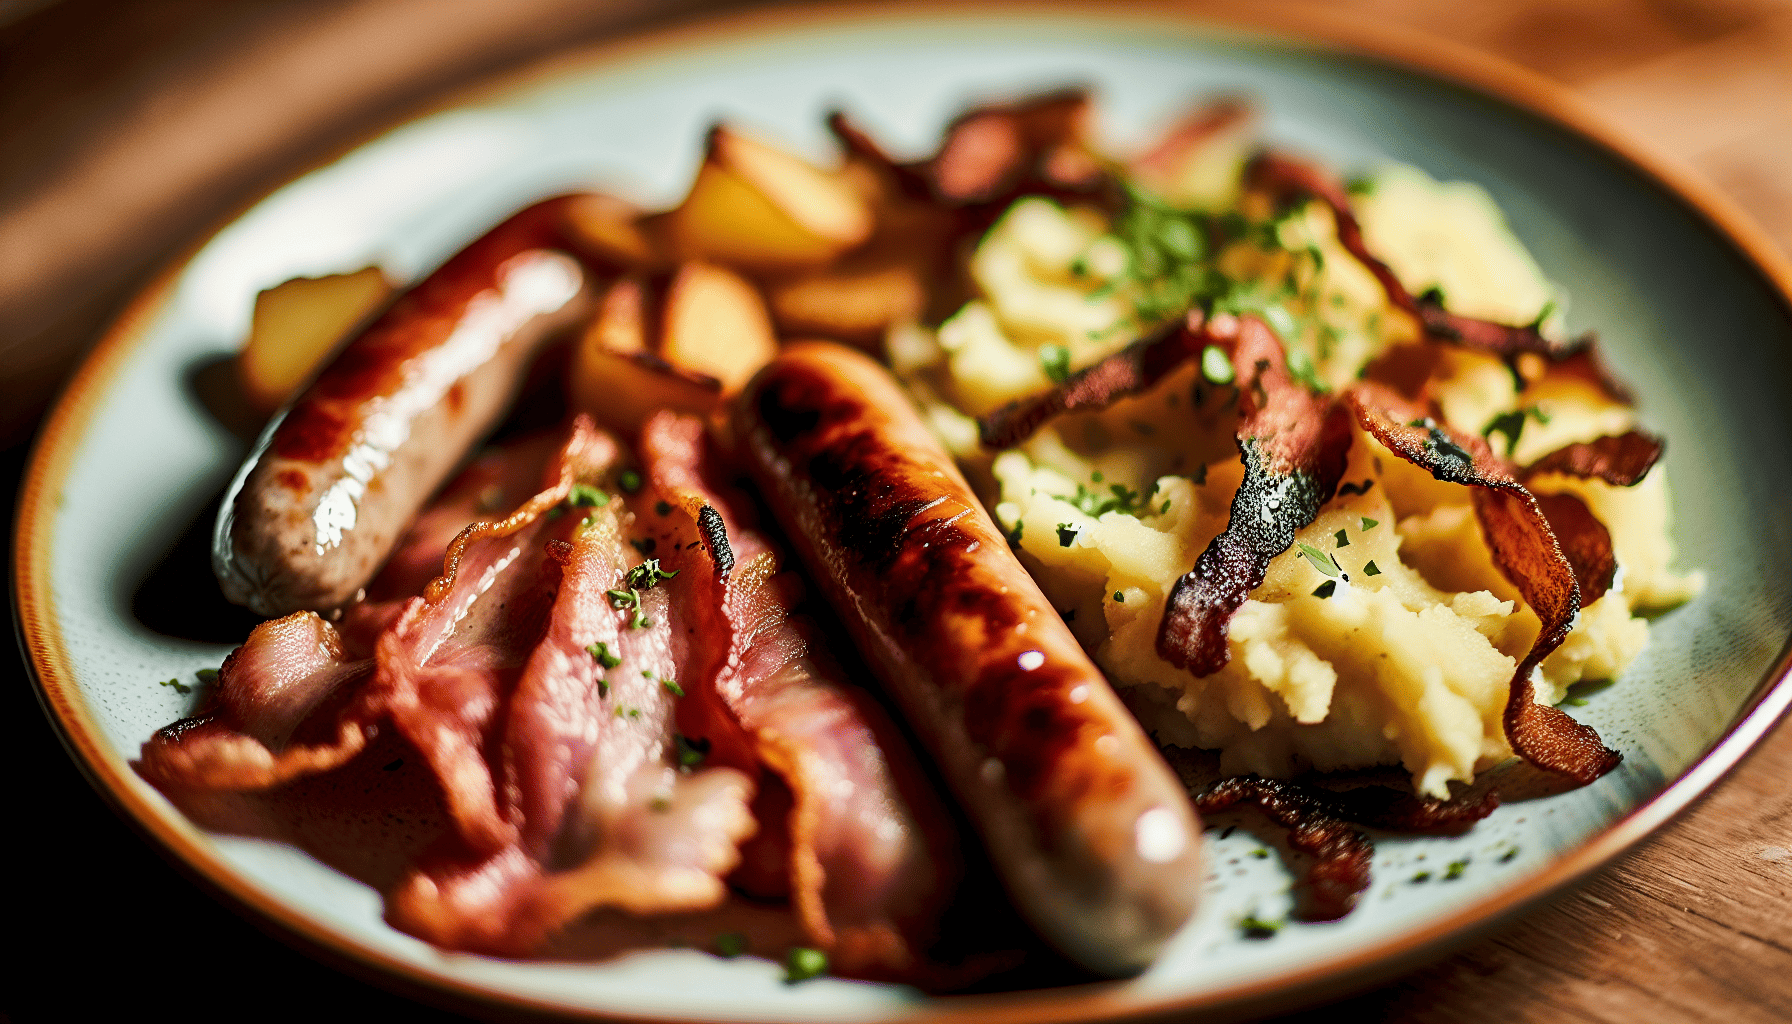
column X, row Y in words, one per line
column 1693, row 308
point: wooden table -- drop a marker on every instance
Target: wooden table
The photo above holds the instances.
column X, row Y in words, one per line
column 103, row 173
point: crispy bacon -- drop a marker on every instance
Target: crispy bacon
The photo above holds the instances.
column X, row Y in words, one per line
column 872, row 856
column 1585, row 542
column 1318, row 820
column 1526, row 552
column 1286, row 179
column 1619, row 459
column 267, row 718
column 1294, row 444
column 1133, row 370
column 993, row 154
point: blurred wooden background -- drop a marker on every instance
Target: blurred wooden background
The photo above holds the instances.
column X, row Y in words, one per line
column 128, row 128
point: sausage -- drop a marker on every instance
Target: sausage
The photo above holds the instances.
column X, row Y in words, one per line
column 332, row 484
column 1092, row 833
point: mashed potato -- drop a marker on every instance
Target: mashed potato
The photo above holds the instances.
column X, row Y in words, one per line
column 1409, row 657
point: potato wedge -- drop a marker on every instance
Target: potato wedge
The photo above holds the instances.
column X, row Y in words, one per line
column 295, row 327
column 622, row 386
column 715, row 323
column 855, row 303
column 1196, row 163
column 761, row 209
column 613, row 230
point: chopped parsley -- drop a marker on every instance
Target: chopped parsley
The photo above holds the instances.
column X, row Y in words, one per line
column 1320, row 560
column 803, row 963
column 630, row 598
column 600, row 653
column 1511, row 425
column 1120, row 498
column 647, row 575
column 206, row 676
column 629, row 481
column 179, row 687
column 587, row 496
column 1326, row 589
column 1342, row 538
column 1055, row 361
column 1421, row 878
column 1371, row 569
column 1370, row 524
column 1066, row 535
column 1014, row 534
column 1216, row 366
column 672, row 687
column 1119, row 598
column 1456, row 869
column 730, row 944
column 691, row 750
column 1253, row 927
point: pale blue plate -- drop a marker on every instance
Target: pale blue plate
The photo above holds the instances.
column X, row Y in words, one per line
column 1688, row 315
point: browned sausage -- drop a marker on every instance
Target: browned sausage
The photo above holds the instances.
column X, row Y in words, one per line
column 1093, row 834
column 332, row 485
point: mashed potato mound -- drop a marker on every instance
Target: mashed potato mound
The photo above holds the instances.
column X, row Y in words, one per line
column 1407, row 657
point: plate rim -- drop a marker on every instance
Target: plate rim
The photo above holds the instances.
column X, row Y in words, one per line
column 1442, row 61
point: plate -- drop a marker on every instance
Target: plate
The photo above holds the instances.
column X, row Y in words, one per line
column 1692, row 306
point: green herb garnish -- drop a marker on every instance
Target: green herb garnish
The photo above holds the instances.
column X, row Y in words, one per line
column 631, row 598
column 1320, row 560
column 1421, row 877
column 1119, row 598
column 1456, row 869
column 1066, row 535
column 1511, row 425
column 629, row 481
column 587, row 496
column 1371, row 569
column 1253, row 927
column 1055, row 361
column 672, row 687
column 1326, row 589
column 206, row 676
column 803, row 963
column 730, row 944
column 600, row 653
column 179, row 687
column 1216, row 367
column 1370, row 524
column 1342, row 538
column 647, row 575
column 691, row 750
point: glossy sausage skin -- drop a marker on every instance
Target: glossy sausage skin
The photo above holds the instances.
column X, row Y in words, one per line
column 334, row 482
column 1093, row 834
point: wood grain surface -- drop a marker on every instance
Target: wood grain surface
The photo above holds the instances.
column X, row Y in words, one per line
column 129, row 128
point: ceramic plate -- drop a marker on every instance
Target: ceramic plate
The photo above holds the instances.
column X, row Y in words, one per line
column 131, row 462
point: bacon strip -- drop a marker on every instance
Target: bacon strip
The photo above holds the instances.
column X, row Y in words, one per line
column 1286, row 179
column 1133, row 370
column 286, row 703
column 267, row 718
column 1526, row 552
column 872, row 856
column 1585, row 542
column 584, row 757
column 1317, row 823
column 1294, row 445
column 993, row 154
column 1619, row 459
